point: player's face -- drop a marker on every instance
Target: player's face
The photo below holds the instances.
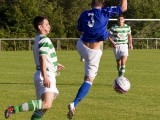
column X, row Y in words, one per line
column 45, row 27
column 121, row 20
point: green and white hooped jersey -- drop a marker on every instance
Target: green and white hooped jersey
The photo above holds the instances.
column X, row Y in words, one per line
column 120, row 34
column 44, row 46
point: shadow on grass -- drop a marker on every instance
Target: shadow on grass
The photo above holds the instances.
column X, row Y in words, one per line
column 17, row 83
column 79, row 84
column 63, row 84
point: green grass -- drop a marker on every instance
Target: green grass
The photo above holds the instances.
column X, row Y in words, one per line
column 102, row 103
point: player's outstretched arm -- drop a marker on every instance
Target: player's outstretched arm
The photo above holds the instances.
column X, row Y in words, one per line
column 124, row 5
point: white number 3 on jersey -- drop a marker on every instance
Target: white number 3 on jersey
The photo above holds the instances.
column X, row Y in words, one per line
column 91, row 23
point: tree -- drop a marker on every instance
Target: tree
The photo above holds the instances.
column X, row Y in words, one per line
column 17, row 16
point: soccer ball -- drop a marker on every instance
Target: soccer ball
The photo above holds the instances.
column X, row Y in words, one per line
column 121, row 85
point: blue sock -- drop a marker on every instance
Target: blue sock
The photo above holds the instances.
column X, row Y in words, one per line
column 82, row 92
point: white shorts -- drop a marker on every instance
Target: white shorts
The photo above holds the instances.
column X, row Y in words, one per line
column 92, row 59
column 40, row 88
column 120, row 50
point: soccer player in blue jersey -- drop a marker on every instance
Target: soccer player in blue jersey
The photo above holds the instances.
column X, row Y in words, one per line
column 93, row 25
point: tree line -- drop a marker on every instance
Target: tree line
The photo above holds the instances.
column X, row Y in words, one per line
column 16, row 17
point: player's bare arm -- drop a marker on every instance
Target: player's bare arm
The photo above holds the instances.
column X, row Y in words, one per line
column 124, row 5
column 111, row 40
column 130, row 41
column 46, row 81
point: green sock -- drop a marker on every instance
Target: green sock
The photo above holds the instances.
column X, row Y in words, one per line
column 37, row 115
column 118, row 68
column 121, row 71
column 29, row 106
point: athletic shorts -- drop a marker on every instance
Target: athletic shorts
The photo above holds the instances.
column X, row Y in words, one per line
column 120, row 50
column 92, row 58
column 40, row 88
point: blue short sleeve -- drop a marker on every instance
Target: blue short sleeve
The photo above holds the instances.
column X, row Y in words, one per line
column 113, row 11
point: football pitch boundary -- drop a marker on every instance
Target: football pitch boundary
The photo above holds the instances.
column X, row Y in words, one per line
column 102, row 102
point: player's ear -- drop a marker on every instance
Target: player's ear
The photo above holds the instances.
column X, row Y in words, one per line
column 40, row 27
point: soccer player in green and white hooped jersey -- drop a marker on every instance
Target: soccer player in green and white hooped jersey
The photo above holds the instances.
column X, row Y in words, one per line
column 120, row 37
column 44, row 78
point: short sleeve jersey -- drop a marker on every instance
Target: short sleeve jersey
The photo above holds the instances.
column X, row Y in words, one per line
column 44, row 46
column 120, row 34
column 93, row 23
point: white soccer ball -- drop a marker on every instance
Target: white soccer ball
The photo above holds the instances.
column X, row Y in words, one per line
column 121, row 85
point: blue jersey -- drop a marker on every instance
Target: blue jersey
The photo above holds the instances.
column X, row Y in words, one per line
column 93, row 23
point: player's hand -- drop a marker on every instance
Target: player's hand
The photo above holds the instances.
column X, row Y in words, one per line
column 131, row 47
column 112, row 41
column 60, row 67
column 47, row 83
column 114, row 44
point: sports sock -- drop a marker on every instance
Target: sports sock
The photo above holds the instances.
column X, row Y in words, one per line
column 29, row 106
column 82, row 92
column 37, row 115
column 122, row 71
column 118, row 68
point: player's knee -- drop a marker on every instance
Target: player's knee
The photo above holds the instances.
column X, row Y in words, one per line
column 47, row 105
column 90, row 79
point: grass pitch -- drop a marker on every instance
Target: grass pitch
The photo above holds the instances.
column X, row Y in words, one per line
column 102, row 103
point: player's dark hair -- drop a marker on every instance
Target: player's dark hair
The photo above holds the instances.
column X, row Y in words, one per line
column 121, row 15
column 38, row 20
column 97, row 3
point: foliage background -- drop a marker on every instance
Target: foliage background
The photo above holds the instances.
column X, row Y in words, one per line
column 16, row 17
